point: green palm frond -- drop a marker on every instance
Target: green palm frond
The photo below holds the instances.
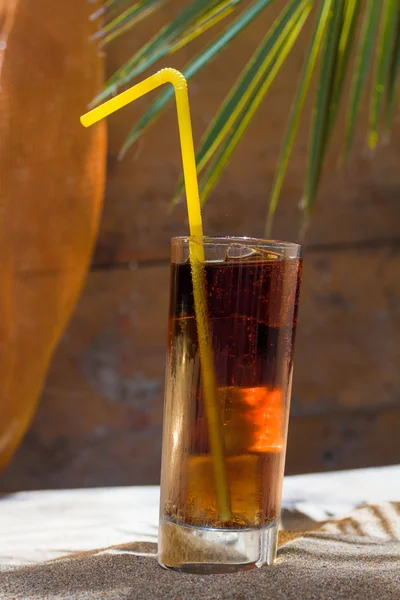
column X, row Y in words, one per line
column 297, row 107
column 361, row 70
column 351, row 13
column 334, row 40
column 385, row 44
column 206, row 21
column 156, row 48
column 268, row 72
column 109, row 8
column 319, row 135
column 248, row 82
column 394, row 76
column 194, row 66
column 126, row 20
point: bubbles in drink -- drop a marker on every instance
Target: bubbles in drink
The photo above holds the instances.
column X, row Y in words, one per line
column 252, row 300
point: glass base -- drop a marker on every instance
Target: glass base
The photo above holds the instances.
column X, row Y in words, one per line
column 209, row 551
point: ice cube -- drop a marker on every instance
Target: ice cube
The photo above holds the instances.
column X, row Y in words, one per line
column 240, row 252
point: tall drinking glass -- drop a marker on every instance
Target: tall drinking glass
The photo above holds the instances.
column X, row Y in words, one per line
column 252, row 292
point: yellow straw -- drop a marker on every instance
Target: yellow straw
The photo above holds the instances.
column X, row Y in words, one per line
column 197, row 258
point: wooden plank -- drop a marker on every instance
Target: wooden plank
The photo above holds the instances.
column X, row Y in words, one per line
column 343, row 440
column 331, row 441
column 99, row 422
column 347, row 353
column 359, row 204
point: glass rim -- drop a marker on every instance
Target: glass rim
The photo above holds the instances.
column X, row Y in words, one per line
column 239, row 239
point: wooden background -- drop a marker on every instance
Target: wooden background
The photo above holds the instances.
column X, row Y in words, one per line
column 99, row 420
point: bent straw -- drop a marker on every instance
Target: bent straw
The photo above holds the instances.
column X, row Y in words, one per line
column 197, row 258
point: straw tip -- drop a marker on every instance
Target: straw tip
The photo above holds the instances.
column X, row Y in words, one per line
column 85, row 121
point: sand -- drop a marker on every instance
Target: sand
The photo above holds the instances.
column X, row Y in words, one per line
column 323, row 565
